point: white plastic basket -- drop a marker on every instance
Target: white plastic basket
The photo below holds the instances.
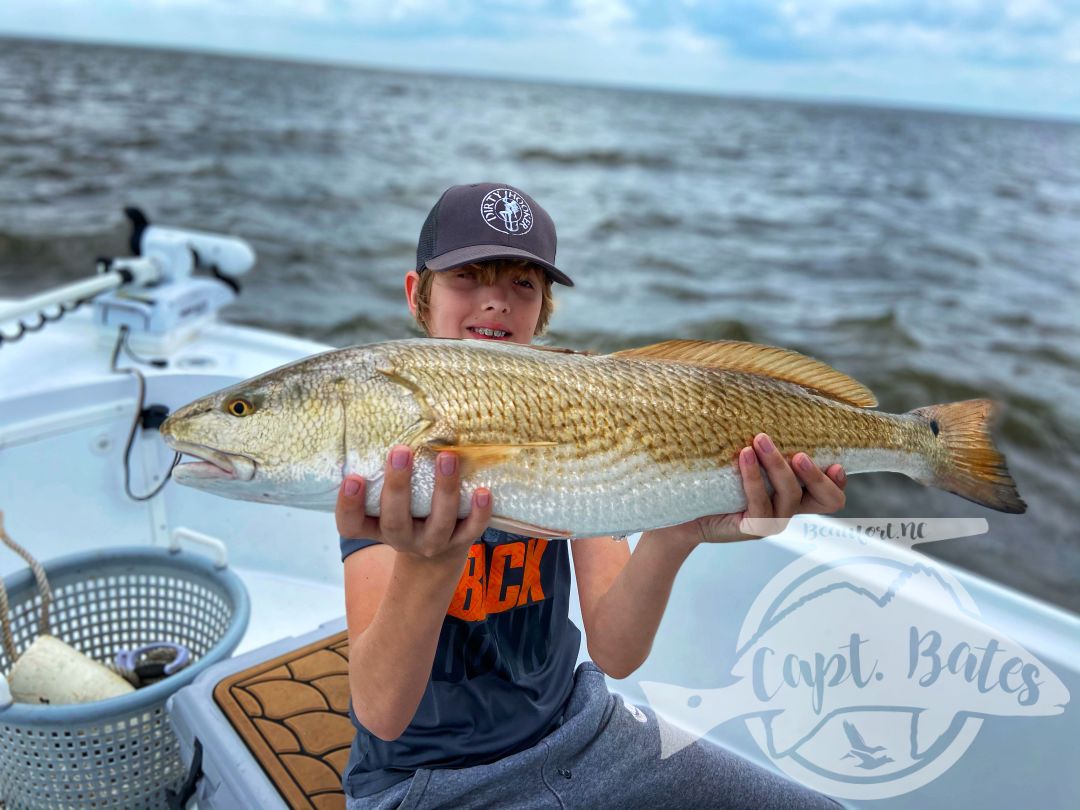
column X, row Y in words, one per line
column 120, row 752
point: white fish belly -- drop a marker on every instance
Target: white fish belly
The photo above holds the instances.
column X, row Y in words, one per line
column 633, row 494
column 620, row 495
column 613, row 495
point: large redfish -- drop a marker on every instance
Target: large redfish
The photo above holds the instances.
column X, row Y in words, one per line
column 570, row 444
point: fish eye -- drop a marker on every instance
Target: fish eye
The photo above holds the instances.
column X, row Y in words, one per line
column 240, row 407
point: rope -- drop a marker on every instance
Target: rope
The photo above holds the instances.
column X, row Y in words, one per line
column 5, row 623
column 43, row 589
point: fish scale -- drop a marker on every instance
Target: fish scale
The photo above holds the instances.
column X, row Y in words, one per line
column 570, row 444
column 616, row 424
column 689, row 413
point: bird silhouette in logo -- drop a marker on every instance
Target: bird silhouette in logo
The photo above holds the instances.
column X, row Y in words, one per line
column 862, row 751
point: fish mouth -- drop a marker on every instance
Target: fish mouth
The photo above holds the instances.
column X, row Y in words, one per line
column 212, row 464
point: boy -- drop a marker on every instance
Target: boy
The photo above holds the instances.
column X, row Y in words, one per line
column 461, row 653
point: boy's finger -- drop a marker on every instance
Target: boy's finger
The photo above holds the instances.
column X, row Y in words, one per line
column 395, row 504
column 836, row 473
column 474, row 524
column 758, row 503
column 822, row 496
column 787, row 491
column 445, row 501
column 349, row 511
column 820, row 487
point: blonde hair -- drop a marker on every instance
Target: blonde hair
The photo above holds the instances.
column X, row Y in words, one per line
column 487, row 273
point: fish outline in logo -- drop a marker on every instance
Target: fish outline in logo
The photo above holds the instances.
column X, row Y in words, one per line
column 917, row 696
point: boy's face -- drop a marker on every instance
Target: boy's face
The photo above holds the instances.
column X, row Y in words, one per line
column 460, row 305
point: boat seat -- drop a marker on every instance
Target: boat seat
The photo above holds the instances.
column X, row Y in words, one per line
column 292, row 713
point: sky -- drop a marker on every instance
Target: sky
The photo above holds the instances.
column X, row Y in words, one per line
column 1011, row 57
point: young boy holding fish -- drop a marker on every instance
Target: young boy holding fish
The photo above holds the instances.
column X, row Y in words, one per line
column 462, row 656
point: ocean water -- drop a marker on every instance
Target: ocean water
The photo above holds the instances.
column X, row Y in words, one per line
column 933, row 256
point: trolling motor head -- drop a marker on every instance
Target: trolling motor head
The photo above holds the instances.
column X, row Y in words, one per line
column 179, row 251
column 164, row 301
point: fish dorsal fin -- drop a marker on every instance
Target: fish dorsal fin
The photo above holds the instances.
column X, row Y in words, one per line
column 474, row 457
column 755, row 358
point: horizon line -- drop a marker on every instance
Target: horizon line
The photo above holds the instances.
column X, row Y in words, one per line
column 858, row 102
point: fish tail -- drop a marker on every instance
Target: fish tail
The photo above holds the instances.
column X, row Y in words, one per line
column 973, row 468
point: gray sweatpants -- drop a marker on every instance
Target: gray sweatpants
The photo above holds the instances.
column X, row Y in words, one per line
column 605, row 754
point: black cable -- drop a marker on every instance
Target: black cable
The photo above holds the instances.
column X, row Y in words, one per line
column 121, row 342
column 178, row 799
column 156, row 363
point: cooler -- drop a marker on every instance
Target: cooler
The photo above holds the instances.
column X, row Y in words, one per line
column 270, row 728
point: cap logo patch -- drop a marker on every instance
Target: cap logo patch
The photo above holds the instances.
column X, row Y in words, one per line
column 505, row 210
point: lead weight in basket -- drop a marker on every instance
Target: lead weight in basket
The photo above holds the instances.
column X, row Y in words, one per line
column 150, row 663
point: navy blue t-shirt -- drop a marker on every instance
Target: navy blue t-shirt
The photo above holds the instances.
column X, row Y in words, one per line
column 503, row 667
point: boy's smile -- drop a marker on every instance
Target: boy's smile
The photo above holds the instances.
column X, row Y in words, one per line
column 490, row 331
column 463, row 306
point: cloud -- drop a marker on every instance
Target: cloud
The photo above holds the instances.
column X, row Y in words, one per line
column 1013, row 32
column 940, row 51
column 601, row 15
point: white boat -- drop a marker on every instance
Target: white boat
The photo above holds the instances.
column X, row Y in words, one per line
column 857, row 665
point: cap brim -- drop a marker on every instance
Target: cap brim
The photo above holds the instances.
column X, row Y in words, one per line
column 478, row 253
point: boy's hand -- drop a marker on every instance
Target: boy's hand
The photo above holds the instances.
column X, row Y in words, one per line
column 823, row 493
column 439, row 536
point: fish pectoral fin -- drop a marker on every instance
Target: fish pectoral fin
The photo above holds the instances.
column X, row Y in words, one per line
column 474, row 457
column 512, row 526
column 755, row 358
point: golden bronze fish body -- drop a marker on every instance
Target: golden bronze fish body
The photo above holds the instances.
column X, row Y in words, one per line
column 569, row 443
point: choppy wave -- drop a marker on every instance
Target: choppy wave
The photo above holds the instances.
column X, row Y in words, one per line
column 610, row 158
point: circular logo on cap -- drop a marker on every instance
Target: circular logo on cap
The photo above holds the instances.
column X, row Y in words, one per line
column 505, row 210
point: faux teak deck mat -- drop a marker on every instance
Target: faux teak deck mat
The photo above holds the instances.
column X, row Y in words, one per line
column 293, row 715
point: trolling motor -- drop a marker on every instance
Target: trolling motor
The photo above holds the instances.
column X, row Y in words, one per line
column 153, row 293
column 174, row 300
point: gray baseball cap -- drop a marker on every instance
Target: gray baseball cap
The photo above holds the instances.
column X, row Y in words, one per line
column 484, row 221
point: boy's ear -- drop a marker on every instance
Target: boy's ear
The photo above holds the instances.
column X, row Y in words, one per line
column 412, row 285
